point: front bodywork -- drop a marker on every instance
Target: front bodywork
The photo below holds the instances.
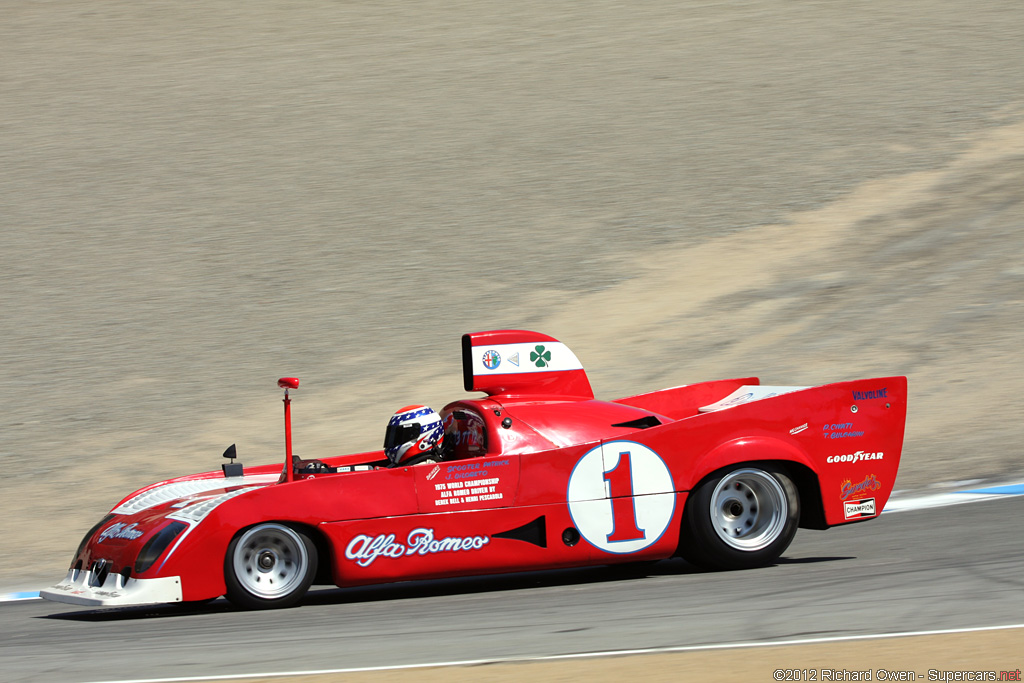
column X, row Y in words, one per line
column 121, row 560
column 84, row 587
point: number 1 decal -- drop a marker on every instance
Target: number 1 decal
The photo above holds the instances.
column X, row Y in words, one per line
column 621, row 497
column 620, row 489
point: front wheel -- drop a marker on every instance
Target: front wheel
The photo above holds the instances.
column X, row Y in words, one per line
column 744, row 517
column 269, row 565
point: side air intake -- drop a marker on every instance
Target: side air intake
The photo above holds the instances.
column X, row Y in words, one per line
column 534, row 532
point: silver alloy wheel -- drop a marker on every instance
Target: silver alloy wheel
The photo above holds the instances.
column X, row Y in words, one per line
column 749, row 509
column 270, row 561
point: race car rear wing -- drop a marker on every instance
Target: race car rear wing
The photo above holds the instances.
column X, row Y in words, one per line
column 522, row 363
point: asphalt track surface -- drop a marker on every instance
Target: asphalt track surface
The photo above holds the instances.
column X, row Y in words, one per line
column 917, row 570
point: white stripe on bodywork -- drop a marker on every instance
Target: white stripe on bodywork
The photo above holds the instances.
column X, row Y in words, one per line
column 747, row 394
column 180, row 489
column 561, row 358
column 197, row 512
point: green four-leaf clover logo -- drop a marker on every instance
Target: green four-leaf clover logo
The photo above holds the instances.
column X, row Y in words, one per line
column 540, row 357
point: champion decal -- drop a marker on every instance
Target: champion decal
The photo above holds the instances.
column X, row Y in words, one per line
column 857, row 509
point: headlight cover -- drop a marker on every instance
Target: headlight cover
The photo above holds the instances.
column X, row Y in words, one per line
column 156, row 545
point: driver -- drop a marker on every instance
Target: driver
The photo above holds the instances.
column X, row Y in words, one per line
column 414, row 436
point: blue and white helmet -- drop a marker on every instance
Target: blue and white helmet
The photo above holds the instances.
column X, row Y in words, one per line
column 412, row 431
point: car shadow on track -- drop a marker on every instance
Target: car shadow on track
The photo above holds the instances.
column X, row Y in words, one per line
column 325, row 596
column 811, row 560
column 501, row 582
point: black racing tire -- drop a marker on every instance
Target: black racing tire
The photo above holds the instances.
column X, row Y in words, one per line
column 740, row 518
column 269, row 565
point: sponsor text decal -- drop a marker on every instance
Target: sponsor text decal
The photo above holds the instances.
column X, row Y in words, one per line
column 365, row 549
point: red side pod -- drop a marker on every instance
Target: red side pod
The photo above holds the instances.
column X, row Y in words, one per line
column 522, row 363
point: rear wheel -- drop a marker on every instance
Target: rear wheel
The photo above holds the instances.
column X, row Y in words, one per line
column 269, row 565
column 744, row 517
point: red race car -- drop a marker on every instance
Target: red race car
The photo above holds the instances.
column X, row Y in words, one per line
column 537, row 475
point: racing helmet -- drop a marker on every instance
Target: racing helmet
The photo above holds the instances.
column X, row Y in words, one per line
column 412, row 431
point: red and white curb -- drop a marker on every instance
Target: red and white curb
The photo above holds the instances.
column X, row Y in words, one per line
column 19, row 595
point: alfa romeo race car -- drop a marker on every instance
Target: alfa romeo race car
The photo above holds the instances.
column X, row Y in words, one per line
column 538, row 474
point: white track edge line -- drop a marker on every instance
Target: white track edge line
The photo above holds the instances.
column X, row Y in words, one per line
column 580, row 655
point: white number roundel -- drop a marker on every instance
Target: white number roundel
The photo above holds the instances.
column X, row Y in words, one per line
column 621, row 496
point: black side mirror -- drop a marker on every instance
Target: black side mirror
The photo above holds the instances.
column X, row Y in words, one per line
column 232, row 469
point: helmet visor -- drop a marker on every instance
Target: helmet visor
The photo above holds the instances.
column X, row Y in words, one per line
column 396, row 435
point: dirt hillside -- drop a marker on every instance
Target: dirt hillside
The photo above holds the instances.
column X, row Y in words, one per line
column 200, row 197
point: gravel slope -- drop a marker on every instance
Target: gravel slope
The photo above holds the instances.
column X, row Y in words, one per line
column 198, row 198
